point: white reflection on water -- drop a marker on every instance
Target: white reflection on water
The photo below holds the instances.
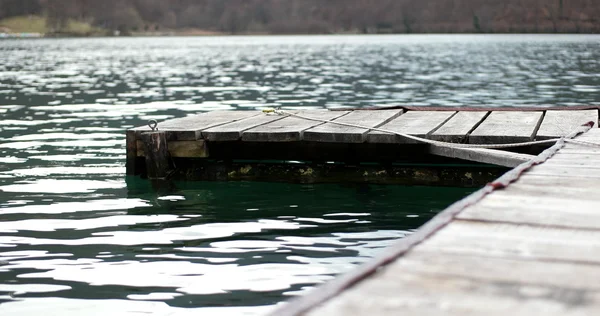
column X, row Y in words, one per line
column 61, row 186
column 47, row 225
column 73, row 207
column 78, row 307
column 164, row 236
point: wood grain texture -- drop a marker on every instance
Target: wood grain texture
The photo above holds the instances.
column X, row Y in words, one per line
column 565, row 275
column 506, row 127
column 517, row 242
column 434, row 283
column 536, row 210
column 289, row 129
column 233, row 131
column 427, row 294
column 592, row 135
column 190, row 127
column 496, row 157
column 546, row 186
column 565, row 171
column 334, row 133
column 457, row 128
column 417, row 123
column 561, row 123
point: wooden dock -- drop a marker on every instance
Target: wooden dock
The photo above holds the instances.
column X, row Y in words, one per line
column 526, row 243
column 236, row 145
column 526, row 247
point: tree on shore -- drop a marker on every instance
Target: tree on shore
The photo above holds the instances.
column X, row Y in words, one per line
column 316, row 16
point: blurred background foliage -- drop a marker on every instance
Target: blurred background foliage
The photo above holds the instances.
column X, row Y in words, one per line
column 194, row 17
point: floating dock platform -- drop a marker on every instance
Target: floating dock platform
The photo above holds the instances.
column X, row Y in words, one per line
column 254, row 145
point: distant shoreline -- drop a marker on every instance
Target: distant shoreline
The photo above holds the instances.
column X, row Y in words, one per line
column 216, row 34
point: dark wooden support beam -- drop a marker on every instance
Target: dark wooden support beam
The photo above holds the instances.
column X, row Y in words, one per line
column 131, row 168
column 158, row 160
column 438, row 175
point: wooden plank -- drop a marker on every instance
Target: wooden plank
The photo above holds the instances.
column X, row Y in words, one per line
column 417, row 123
column 565, row 275
column 407, row 292
column 496, row 157
column 181, row 149
column 190, row 127
column 506, row 127
column 332, row 132
column 552, row 187
column 561, row 171
column 536, row 210
column 575, row 157
column 574, row 161
column 562, row 123
column 233, row 131
column 516, row 241
column 290, row 128
column 434, row 283
column 592, row 135
column 457, row 128
column 575, row 151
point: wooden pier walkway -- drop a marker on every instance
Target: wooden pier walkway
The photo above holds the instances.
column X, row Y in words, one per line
column 257, row 136
column 529, row 248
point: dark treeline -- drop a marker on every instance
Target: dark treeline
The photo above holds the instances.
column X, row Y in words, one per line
column 317, row 16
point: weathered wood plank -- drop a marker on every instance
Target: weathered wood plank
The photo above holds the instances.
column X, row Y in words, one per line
column 332, row 132
column 233, row 131
column 190, row 127
column 565, row 275
column 553, row 187
column 420, row 294
column 516, row 241
column 574, row 161
column 575, row 151
column 536, row 210
column 561, row 171
column 575, row 156
column 290, row 128
column 496, row 157
column 593, row 135
column 506, row 127
column 181, row 149
column 457, row 128
column 417, row 123
column 434, row 283
column 562, row 123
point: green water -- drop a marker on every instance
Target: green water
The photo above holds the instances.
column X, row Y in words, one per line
column 78, row 237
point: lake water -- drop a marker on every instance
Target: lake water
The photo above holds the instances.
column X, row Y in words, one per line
column 78, row 237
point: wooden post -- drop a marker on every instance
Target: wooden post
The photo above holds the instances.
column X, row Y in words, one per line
column 158, row 160
column 132, row 149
